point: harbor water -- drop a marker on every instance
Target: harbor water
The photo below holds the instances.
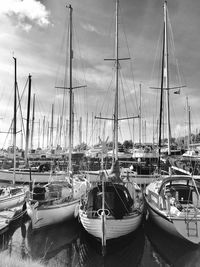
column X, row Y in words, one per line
column 67, row 244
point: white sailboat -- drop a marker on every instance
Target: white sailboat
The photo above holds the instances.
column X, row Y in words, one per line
column 113, row 208
column 57, row 201
column 173, row 201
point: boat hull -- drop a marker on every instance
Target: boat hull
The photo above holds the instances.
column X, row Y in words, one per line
column 114, row 228
column 44, row 215
column 24, row 177
column 176, row 225
column 8, row 216
column 10, row 201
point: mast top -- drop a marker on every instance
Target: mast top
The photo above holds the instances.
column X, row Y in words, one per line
column 69, row 6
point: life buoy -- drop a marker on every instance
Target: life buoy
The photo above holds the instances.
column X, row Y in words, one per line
column 100, row 211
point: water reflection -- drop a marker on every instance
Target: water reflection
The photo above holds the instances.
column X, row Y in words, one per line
column 124, row 252
column 55, row 244
column 6, row 239
column 169, row 251
column 68, row 244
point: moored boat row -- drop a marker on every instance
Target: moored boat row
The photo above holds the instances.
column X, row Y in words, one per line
column 111, row 205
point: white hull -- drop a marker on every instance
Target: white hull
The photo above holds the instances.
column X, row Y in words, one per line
column 11, row 201
column 114, row 228
column 24, row 177
column 176, row 226
column 9, row 215
column 44, row 215
column 177, row 213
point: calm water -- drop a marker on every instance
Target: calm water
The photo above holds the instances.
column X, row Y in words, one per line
column 67, row 244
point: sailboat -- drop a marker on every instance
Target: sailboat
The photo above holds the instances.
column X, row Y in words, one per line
column 113, row 208
column 39, row 174
column 12, row 197
column 57, row 201
column 173, row 201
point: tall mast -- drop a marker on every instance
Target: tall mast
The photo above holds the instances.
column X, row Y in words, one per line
column 189, row 122
column 117, row 66
column 166, row 76
column 133, row 132
column 33, row 122
column 70, row 88
column 80, row 131
column 161, row 98
column 38, row 134
column 92, row 130
column 86, row 139
column 43, row 132
column 47, row 133
column 28, row 119
column 116, row 122
column 140, row 116
column 15, row 117
column 52, row 126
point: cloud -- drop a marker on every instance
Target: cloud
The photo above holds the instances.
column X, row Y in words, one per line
column 26, row 12
column 90, row 28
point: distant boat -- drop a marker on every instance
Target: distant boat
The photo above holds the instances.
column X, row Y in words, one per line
column 173, row 201
column 57, row 201
column 113, row 208
column 145, row 160
column 193, row 154
column 23, row 175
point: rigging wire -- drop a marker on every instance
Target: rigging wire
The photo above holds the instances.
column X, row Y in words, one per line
column 131, row 65
column 18, row 106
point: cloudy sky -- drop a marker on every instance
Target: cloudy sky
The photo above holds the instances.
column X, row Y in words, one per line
column 35, row 32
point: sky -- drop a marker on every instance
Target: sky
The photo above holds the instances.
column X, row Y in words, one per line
column 35, row 32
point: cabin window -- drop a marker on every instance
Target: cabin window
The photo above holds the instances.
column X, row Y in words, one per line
column 185, row 195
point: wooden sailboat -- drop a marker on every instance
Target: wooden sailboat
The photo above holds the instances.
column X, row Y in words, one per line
column 113, row 208
column 57, row 201
column 173, row 201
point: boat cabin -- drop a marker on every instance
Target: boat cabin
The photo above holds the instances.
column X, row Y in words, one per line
column 118, row 201
column 184, row 189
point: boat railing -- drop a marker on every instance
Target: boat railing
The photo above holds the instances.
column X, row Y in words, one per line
column 197, row 191
column 153, row 197
column 41, row 197
column 91, row 213
column 191, row 219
